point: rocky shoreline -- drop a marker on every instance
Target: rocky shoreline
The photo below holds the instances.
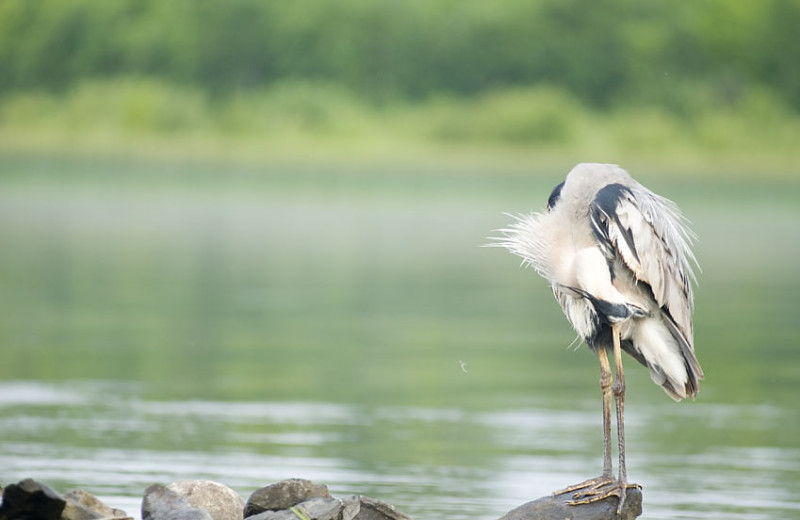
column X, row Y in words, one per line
column 292, row 499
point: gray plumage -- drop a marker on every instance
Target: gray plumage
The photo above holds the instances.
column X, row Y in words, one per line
column 614, row 252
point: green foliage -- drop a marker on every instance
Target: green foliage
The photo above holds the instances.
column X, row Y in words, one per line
column 293, row 117
column 145, row 107
column 614, row 52
column 293, row 107
column 611, row 79
column 125, row 107
column 517, row 117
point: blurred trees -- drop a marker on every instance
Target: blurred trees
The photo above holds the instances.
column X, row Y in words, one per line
column 678, row 55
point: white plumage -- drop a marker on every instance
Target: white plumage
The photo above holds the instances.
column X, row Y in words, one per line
column 606, row 239
column 618, row 259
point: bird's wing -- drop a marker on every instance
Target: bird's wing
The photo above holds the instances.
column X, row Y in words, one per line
column 650, row 236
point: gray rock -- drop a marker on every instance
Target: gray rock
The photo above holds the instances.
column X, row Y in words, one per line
column 556, row 507
column 351, row 506
column 315, row 509
column 219, row 500
column 31, row 500
column 161, row 503
column 283, row 495
column 372, row 509
column 348, row 508
column 73, row 511
column 85, row 506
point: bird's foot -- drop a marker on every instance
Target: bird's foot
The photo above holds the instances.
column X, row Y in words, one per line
column 597, row 489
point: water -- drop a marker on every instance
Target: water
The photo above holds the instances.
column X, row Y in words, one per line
column 163, row 321
column 109, row 439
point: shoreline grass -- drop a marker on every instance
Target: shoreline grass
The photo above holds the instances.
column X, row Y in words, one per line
column 313, row 124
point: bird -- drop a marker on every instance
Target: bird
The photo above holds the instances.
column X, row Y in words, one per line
column 618, row 258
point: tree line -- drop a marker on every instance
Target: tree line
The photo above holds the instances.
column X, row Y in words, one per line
column 674, row 54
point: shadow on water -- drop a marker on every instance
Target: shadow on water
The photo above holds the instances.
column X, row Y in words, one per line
column 354, row 332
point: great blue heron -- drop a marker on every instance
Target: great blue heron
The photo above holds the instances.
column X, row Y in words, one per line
column 618, row 259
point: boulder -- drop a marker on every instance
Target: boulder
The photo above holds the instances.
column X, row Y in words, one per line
column 219, row 500
column 372, row 509
column 556, row 507
column 333, row 508
column 315, row 509
column 85, row 506
column 161, row 503
column 31, row 500
column 283, row 495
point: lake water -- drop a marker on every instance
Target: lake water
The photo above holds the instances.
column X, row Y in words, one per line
column 242, row 324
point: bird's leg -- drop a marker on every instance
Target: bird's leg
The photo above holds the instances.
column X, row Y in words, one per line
column 605, row 386
column 619, row 398
column 604, row 486
column 591, row 488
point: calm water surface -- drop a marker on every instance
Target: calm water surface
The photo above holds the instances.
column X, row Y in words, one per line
column 352, row 331
column 104, row 437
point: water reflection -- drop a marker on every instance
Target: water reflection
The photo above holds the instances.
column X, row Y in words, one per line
column 72, row 435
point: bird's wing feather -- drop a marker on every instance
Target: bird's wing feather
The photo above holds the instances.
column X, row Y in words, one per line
column 650, row 236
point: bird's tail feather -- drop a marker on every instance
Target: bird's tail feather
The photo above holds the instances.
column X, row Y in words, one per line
column 669, row 357
column 693, row 370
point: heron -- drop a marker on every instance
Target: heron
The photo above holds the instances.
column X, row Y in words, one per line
column 618, row 259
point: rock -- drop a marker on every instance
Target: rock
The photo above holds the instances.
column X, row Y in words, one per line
column 85, row 506
column 161, row 503
column 372, row 509
column 332, row 508
column 219, row 500
column 31, row 500
column 556, row 507
column 283, row 495
column 351, row 506
column 319, row 508
column 291, row 499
